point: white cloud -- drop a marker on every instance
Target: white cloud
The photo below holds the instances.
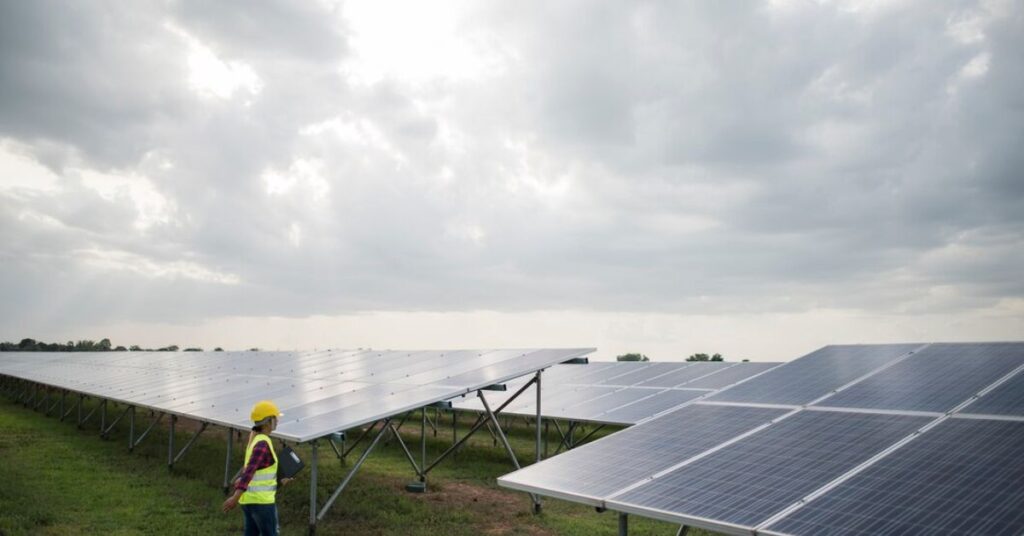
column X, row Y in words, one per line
column 211, row 76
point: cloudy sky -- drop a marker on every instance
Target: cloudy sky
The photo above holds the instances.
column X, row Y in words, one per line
column 665, row 177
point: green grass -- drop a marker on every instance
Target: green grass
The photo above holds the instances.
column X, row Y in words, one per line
column 62, row 480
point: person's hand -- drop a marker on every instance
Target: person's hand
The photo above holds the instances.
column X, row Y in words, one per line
column 286, row 481
column 230, row 503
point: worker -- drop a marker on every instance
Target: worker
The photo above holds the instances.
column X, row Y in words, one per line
column 256, row 487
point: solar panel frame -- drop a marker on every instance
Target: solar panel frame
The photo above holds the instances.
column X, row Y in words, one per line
column 129, row 374
column 750, row 480
column 620, row 459
column 927, row 487
column 816, row 374
column 935, row 379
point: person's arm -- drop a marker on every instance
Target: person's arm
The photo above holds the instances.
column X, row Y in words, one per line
column 260, row 458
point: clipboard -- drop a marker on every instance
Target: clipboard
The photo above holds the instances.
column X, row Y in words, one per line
column 288, row 463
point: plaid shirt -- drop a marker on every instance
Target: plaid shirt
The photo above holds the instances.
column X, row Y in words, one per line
column 261, row 459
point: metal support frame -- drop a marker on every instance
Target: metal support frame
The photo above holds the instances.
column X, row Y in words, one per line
column 131, row 429
column 77, row 405
column 480, row 420
column 314, row 515
column 147, row 431
column 188, row 444
column 227, row 458
column 105, row 432
column 537, row 377
column 83, row 420
column 683, row 530
column 623, row 524
column 170, row 441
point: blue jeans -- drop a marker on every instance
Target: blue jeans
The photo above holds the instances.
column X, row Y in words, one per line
column 260, row 519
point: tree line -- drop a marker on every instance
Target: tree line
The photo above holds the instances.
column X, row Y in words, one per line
column 104, row 345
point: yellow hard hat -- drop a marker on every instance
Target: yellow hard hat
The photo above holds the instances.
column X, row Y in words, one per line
column 264, row 409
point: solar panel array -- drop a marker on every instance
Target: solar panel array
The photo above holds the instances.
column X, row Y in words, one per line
column 318, row 392
column 867, row 439
column 622, row 393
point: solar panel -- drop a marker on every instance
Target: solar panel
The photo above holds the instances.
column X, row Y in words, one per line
column 934, row 379
column 594, row 409
column 961, row 477
column 747, row 482
column 729, row 376
column 603, row 467
column 686, row 374
column 649, row 407
column 641, row 374
column 1007, row 399
column 319, row 392
column 803, row 380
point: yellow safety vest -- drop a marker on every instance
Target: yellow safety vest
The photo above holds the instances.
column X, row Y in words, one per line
column 263, row 486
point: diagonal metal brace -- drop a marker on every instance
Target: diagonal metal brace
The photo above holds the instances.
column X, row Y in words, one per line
column 504, row 440
column 147, row 431
column 480, row 421
column 105, row 433
column 415, row 467
column 348, row 478
column 190, row 442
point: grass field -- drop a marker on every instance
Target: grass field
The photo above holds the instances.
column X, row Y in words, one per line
column 60, row 480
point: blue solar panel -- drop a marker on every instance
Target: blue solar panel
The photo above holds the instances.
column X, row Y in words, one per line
column 685, row 374
column 612, row 463
column 751, row 480
column 937, row 378
column 649, row 407
column 961, row 477
column 814, row 375
column 729, row 376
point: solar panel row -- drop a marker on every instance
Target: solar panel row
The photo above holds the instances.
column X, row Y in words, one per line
column 864, row 459
column 319, row 392
column 622, row 393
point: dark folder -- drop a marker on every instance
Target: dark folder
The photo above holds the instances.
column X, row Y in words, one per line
column 288, row 463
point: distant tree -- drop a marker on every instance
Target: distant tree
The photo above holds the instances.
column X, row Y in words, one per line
column 27, row 345
column 254, row 349
column 104, row 345
column 171, row 348
column 135, row 348
column 705, row 357
column 746, row 361
column 218, row 349
column 120, row 349
column 193, row 349
column 632, row 357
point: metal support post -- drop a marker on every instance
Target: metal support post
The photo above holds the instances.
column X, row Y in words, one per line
column 131, row 429
column 190, row 442
column 312, row 489
column 508, row 446
column 536, row 498
column 405, row 448
column 455, row 433
column 68, row 412
column 348, row 478
column 81, row 399
column 227, row 459
column 170, row 442
column 423, row 445
column 337, row 452
column 63, row 398
column 623, row 525
column 683, row 530
column 103, row 415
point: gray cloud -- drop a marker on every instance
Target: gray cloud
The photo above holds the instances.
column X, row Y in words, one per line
column 714, row 157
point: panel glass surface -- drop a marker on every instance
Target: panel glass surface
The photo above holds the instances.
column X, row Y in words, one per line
column 962, row 477
column 749, row 481
column 1007, row 399
column 937, row 378
column 816, row 374
column 314, row 389
column 609, row 464
column 649, row 407
column 690, row 372
column 729, row 376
